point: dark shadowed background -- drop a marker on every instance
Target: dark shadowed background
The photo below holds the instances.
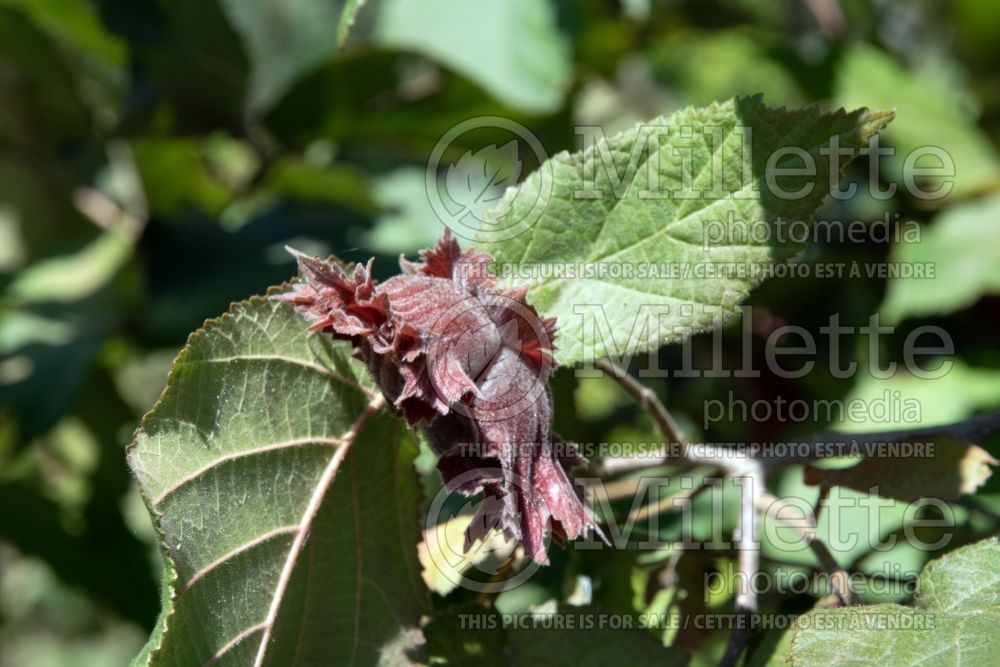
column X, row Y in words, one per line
column 156, row 156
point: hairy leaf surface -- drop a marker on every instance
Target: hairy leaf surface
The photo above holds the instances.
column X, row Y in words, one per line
column 953, row 622
column 662, row 230
column 286, row 500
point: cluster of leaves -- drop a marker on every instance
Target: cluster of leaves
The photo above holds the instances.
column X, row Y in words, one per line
column 156, row 156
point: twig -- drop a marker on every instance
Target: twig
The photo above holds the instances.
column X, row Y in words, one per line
column 671, row 502
column 752, row 466
column 746, row 537
column 732, row 462
column 747, row 471
column 620, row 464
column 621, row 488
column 824, row 494
column 771, row 505
column 126, row 214
column 748, row 559
column 107, row 214
column 647, row 400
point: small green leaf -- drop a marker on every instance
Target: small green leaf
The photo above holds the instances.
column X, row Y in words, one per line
column 75, row 22
column 286, row 501
column 904, row 400
column 286, row 39
column 513, row 49
column 953, row 622
column 927, row 117
column 689, row 203
column 338, row 183
column 962, row 247
column 175, row 177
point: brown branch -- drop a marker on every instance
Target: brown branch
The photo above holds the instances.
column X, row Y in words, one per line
column 675, row 501
column 732, row 462
column 648, row 401
column 752, row 466
column 747, row 541
column 737, row 465
column 771, row 505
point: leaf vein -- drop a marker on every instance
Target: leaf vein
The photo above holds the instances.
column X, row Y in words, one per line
column 311, row 509
column 243, row 548
column 288, row 444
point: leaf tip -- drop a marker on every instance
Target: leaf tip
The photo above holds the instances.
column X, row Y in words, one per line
column 873, row 121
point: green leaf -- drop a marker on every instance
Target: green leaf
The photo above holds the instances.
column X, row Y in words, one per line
column 953, row 467
column 39, row 602
column 287, row 39
column 175, row 176
column 513, row 49
column 926, row 115
column 576, row 211
column 715, row 65
column 40, row 99
column 337, row 183
column 953, row 622
column 407, row 222
column 963, row 247
column 286, row 500
column 904, row 400
column 77, row 23
column 73, row 277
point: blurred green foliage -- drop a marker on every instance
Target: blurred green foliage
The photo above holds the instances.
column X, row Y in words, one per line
column 156, row 156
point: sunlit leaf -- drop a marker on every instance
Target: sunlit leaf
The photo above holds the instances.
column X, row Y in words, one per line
column 962, row 248
column 926, row 116
column 285, row 496
column 513, row 49
column 671, row 215
column 287, row 39
column 407, row 222
column 953, row 621
column 905, row 400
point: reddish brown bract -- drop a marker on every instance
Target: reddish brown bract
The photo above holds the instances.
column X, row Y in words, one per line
column 468, row 363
